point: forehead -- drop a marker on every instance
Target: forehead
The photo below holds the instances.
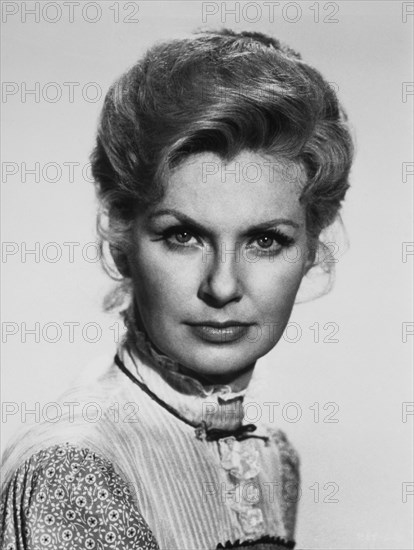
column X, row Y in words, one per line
column 249, row 188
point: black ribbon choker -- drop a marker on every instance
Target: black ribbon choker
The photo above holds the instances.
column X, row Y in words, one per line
column 240, row 433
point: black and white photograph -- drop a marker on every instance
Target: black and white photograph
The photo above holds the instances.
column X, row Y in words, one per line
column 206, row 260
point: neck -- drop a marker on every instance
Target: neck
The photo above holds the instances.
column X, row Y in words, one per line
column 214, row 407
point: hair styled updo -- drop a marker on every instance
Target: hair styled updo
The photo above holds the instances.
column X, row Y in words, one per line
column 222, row 92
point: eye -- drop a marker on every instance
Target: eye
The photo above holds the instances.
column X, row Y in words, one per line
column 270, row 242
column 182, row 236
column 265, row 241
column 179, row 237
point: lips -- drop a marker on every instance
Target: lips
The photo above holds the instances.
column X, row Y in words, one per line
column 220, row 333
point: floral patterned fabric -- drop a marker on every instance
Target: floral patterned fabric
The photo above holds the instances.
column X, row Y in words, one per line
column 69, row 498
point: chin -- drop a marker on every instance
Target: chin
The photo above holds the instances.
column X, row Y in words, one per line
column 209, row 360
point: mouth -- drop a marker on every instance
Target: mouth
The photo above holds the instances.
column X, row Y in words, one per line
column 220, row 333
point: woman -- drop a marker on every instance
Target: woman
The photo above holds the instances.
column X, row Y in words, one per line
column 219, row 161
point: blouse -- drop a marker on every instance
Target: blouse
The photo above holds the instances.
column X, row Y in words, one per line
column 145, row 457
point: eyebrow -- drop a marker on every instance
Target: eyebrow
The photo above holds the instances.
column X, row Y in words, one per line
column 183, row 218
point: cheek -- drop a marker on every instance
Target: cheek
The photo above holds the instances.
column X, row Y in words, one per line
column 161, row 286
column 275, row 290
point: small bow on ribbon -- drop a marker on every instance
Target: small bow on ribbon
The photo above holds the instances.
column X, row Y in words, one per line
column 240, row 433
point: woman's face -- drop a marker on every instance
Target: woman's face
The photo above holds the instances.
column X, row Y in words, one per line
column 217, row 263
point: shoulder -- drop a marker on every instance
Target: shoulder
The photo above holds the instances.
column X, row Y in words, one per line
column 288, row 454
column 69, row 497
column 290, row 477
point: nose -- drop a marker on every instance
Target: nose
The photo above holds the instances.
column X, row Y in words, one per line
column 221, row 282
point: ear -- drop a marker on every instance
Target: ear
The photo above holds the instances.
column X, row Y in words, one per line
column 121, row 260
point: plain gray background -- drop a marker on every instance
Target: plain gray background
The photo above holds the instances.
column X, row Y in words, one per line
column 366, row 374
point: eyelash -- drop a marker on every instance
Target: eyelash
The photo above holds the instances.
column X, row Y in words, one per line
column 281, row 239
